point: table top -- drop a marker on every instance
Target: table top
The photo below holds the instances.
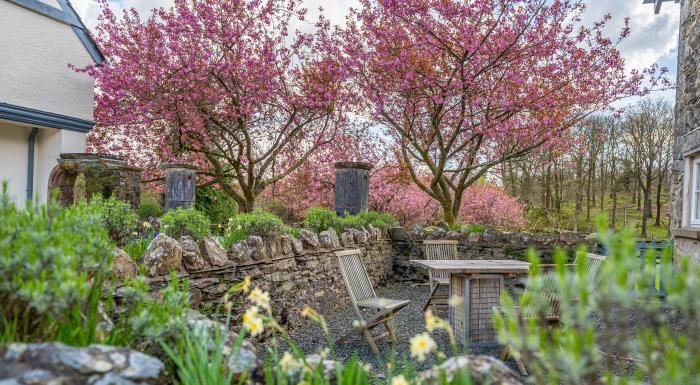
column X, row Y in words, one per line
column 474, row 266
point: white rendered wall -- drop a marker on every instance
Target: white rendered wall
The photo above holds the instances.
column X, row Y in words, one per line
column 35, row 51
column 13, row 159
column 50, row 144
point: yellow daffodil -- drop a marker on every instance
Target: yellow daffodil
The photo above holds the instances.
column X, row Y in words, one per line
column 260, row 298
column 422, row 345
column 399, row 380
column 433, row 322
column 245, row 285
column 146, row 225
column 252, row 321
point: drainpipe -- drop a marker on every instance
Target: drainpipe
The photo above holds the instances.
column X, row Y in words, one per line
column 30, row 163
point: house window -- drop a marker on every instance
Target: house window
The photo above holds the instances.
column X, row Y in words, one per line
column 695, row 193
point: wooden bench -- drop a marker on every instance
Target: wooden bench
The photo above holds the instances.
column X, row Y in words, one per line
column 439, row 250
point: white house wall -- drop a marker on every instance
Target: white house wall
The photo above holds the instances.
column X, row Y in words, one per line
column 13, row 159
column 35, row 51
column 50, row 144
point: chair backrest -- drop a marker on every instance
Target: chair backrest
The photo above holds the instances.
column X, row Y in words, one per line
column 592, row 263
column 440, row 250
column 355, row 275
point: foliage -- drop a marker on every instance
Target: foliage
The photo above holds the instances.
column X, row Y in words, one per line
column 216, row 204
column 53, row 263
column 320, row 219
column 193, row 97
column 149, row 210
column 636, row 337
column 258, row 222
column 489, row 205
column 118, row 217
column 185, row 221
column 136, row 247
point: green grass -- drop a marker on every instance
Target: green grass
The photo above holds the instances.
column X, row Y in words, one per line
column 538, row 220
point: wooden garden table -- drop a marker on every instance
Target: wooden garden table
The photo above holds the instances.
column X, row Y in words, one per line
column 475, row 289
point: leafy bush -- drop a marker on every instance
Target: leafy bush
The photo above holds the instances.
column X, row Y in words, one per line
column 614, row 329
column 185, row 221
column 53, row 262
column 216, row 204
column 150, row 210
column 137, row 246
column 118, row 217
column 320, row 219
column 258, row 223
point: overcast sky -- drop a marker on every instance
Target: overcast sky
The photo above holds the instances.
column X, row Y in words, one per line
column 654, row 38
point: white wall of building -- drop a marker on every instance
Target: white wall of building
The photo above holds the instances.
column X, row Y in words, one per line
column 35, row 51
column 50, row 144
column 13, row 159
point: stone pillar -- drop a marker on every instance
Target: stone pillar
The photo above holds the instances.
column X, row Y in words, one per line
column 351, row 187
column 180, row 185
column 94, row 174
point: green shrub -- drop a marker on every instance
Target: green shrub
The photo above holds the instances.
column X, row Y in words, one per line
column 613, row 327
column 53, row 263
column 320, row 218
column 150, row 210
column 137, row 246
column 185, row 221
column 216, row 204
column 118, row 217
column 258, row 223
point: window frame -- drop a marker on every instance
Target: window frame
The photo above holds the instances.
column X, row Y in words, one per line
column 695, row 174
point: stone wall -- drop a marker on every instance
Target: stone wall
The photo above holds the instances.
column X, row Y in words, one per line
column 296, row 272
column 686, row 127
column 492, row 244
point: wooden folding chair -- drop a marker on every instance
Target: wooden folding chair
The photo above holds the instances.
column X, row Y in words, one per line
column 439, row 250
column 552, row 318
column 362, row 295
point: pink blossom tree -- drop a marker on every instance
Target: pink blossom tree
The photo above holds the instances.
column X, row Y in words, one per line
column 465, row 86
column 222, row 84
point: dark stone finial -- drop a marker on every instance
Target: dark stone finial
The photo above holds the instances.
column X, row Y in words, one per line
column 351, row 187
column 180, row 185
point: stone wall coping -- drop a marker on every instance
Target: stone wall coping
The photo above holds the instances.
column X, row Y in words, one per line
column 360, row 165
column 178, row 165
column 686, row 232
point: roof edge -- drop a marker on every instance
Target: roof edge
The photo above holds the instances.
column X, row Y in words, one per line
column 27, row 115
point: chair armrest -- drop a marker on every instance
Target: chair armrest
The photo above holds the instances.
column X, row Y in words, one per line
column 552, row 266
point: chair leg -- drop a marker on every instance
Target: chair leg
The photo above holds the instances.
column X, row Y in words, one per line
column 390, row 329
column 372, row 344
column 430, row 299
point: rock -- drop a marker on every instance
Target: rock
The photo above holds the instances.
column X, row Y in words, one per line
column 286, row 244
column 162, row 256
column 434, row 232
column 239, row 252
column 56, row 363
column 361, row 236
column 329, row 239
column 347, row 239
column 257, row 248
column 272, row 246
column 295, row 373
column 376, row 233
column 417, row 233
column 398, row 234
column 309, row 239
column 213, row 251
column 592, row 237
column 123, row 266
column 191, row 256
column 297, row 246
column 568, row 236
column 483, row 370
column 474, row 237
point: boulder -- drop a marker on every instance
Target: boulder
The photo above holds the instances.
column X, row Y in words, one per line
column 329, row 239
column 297, row 246
column 257, row 248
column 309, row 239
column 162, row 256
column 272, row 245
column 483, row 370
column 191, row 256
column 398, row 234
column 56, row 363
column 434, row 232
column 123, row 266
column 361, row 236
column 239, row 252
column 213, row 251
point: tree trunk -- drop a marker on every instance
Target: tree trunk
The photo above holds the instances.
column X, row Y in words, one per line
column 658, row 200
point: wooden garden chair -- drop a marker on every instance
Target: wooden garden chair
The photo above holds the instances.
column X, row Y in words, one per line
column 552, row 318
column 439, row 250
column 362, row 295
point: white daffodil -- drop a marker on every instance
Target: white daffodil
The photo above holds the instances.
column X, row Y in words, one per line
column 260, row 298
column 422, row 345
column 399, row 380
column 252, row 321
column 433, row 322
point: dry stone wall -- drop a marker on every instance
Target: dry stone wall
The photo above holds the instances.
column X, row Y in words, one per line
column 492, row 244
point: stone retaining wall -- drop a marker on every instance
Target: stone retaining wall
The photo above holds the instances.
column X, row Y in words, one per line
column 492, row 244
